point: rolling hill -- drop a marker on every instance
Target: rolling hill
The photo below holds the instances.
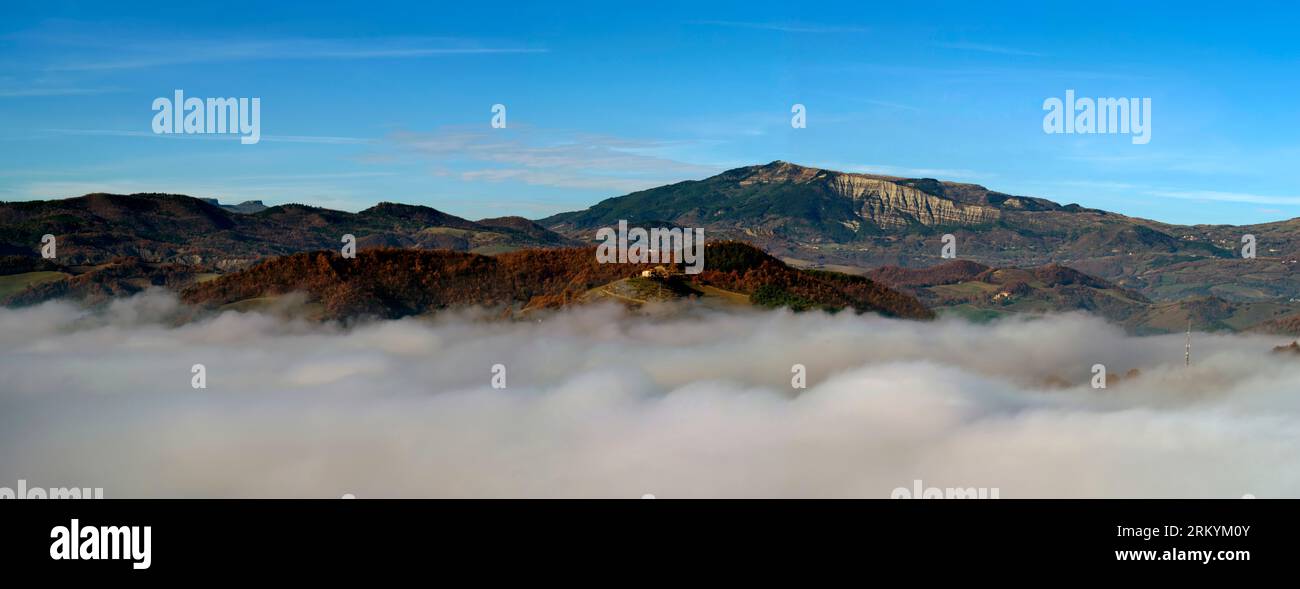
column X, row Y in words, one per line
column 168, row 228
column 978, row 292
column 393, row 283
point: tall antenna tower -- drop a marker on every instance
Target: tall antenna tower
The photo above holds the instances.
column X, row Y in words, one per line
column 1187, row 351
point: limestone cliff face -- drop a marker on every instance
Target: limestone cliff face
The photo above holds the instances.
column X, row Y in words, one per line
column 879, row 200
column 887, row 204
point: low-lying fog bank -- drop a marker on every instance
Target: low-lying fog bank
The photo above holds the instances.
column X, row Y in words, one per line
column 601, row 403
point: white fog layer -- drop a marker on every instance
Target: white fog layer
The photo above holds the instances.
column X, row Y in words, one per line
column 601, row 403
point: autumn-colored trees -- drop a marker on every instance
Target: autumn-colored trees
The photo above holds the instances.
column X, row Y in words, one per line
column 398, row 282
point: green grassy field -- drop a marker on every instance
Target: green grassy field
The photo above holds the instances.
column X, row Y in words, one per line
column 15, row 283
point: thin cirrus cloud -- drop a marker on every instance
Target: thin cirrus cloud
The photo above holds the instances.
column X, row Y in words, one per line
column 951, row 174
column 522, row 155
column 557, row 179
column 1183, row 194
column 986, row 48
column 319, row 139
column 185, row 51
column 783, row 27
column 1222, row 196
column 812, row 28
column 947, row 74
column 47, row 92
column 548, row 157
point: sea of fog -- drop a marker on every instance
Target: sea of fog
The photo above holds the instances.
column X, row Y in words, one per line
column 599, row 402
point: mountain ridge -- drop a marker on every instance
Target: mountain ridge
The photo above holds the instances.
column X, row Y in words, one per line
column 1013, row 252
column 815, row 216
column 164, row 228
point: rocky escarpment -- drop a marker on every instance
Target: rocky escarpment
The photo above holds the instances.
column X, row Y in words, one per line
column 880, row 201
column 887, row 204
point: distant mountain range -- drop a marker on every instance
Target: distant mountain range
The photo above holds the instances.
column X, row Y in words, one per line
column 1015, row 253
column 164, row 228
column 850, row 222
column 248, row 206
column 979, row 292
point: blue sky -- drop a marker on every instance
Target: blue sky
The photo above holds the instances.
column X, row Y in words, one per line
column 391, row 101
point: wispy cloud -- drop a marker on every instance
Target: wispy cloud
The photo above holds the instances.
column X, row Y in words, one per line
column 888, row 104
column 548, row 157
column 947, row 74
column 956, row 174
column 558, row 179
column 1219, row 163
column 859, row 99
column 74, row 48
column 1185, row 194
column 280, row 51
column 320, row 139
column 784, row 27
column 1222, row 196
column 44, row 92
column 985, row 48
